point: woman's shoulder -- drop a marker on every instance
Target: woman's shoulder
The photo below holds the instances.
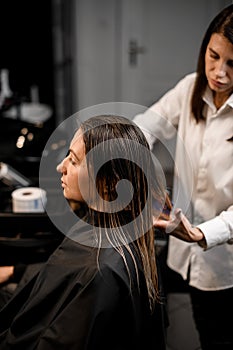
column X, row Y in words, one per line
column 120, row 265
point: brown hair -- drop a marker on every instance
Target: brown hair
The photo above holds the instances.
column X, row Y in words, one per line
column 223, row 24
column 130, row 165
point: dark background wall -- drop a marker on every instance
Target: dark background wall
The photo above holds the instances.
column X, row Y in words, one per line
column 26, row 46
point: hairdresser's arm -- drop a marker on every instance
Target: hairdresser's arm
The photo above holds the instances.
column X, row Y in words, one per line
column 218, row 230
column 161, row 119
column 213, row 232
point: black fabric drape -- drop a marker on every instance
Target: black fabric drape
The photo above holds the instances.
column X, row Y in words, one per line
column 71, row 304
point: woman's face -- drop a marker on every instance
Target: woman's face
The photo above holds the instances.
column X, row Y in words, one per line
column 219, row 65
column 74, row 170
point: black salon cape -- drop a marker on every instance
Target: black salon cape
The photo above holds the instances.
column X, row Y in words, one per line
column 71, row 304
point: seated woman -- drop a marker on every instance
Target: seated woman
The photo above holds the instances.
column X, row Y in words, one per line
column 100, row 288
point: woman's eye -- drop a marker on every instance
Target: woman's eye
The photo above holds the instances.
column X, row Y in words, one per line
column 72, row 161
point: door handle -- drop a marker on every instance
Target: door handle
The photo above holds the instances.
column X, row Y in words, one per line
column 133, row 52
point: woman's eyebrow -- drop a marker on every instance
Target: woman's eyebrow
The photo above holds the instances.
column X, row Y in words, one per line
column 74, row 154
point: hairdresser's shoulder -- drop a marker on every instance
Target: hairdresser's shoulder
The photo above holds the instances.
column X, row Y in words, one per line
column 184, row 85
column 188, row 79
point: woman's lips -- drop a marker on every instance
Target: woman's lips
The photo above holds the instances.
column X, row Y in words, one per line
column 63, row 184
column 217, row 83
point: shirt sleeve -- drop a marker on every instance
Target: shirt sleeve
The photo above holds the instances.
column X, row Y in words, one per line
column 162, row 118
column 218, row 230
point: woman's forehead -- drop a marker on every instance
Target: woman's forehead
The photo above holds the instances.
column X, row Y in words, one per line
column 78, row 137
column 77, row 143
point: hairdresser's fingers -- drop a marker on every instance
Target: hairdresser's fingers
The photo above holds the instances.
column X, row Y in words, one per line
column 171, row 222
column 159, row 223
column 183, row 229
column 180, row 227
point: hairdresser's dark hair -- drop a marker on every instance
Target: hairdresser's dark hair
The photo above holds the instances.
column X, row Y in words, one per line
column 221, row 24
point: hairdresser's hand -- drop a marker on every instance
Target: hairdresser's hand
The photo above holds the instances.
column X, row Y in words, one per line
column 180, row 227
column 6, row 272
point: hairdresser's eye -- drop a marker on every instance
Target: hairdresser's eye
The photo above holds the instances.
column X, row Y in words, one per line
column 214, row 56
column 230, row 63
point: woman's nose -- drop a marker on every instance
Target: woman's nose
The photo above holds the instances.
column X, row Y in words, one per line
column 59, row 167
column 220, row 70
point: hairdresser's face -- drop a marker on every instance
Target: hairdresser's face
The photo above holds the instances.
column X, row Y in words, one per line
column 74, row 170
column 219, row 65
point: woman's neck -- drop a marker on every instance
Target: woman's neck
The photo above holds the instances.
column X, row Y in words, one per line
column 220, row 99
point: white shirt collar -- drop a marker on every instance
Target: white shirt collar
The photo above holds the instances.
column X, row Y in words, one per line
column 208, row 98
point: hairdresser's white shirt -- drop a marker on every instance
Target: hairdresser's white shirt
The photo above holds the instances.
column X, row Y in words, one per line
column 203, row 181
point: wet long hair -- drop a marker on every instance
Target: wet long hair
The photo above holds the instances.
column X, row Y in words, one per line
column 116, row 149
column 221, row 24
